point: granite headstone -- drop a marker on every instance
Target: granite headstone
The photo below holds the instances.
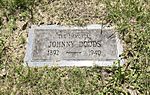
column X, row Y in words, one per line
column 55, row 45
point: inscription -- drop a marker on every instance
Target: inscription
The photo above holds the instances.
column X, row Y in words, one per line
column 89, row 43
column 55, row 45
column 53, row 52
column 79, row 44
column 95, row 52
column 77, row 34
column 58, row 44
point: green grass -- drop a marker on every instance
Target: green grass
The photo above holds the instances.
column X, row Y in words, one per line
column 131, row 18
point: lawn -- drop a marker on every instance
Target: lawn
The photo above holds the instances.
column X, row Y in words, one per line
column 130, row 18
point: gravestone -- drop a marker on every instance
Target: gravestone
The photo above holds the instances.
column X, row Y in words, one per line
column 55, row 45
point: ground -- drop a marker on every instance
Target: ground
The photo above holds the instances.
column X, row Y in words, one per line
column 131, row 18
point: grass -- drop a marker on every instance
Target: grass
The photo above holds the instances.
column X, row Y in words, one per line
column 131, row 19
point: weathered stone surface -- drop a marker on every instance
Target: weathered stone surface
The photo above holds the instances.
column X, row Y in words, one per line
column 72, row 46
